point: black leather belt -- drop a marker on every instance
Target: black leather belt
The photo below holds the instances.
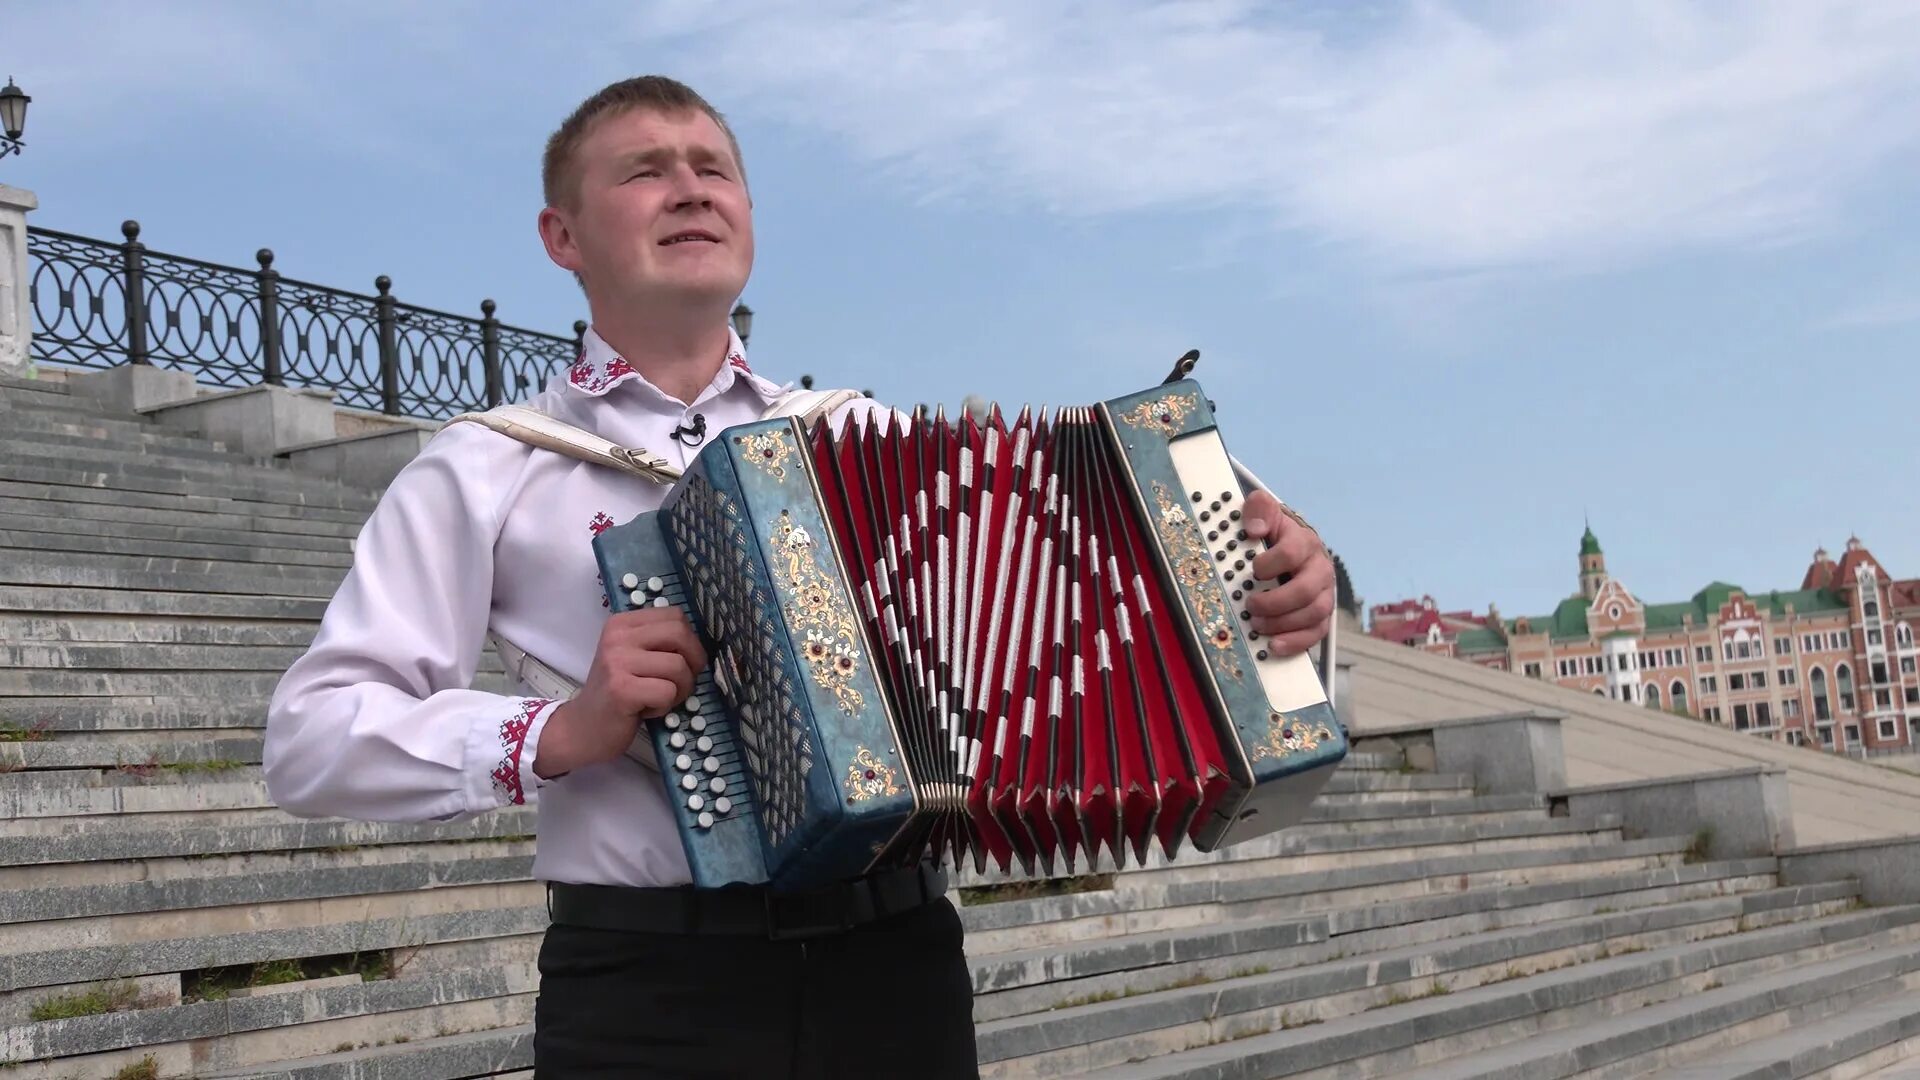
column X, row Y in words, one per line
column 746, row 909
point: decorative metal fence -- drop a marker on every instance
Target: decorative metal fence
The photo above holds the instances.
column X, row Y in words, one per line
column 101, row 304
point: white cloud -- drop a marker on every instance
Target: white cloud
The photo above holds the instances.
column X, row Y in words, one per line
column 1566, row 136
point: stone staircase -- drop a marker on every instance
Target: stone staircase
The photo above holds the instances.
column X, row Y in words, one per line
column 158, row 918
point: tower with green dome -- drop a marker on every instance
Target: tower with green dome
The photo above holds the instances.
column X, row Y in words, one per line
column 1593, row 565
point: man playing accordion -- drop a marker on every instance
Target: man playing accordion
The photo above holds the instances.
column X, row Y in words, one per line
column 642, row 975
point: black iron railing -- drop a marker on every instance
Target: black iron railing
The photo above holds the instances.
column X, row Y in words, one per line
column 101, row 304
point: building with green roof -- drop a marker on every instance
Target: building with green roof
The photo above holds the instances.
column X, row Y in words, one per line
column 1831, row 663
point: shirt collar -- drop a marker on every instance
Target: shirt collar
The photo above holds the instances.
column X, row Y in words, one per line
column 599, row 369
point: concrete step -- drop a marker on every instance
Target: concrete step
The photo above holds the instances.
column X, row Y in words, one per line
column 53, row 537
column 161, row 481
column 118, row 430
column 274, row 528
column 291, row 834
column 1561, row 1022
column 505, row 1053
column 1404, row 785
column 256, row 686
column 98, row 444
column 207, row 467
column 157, row 872
column 74, row 487
column 1192, row 1012
column 77, row 600
column 1064, row 966
column 49, row 528
column 1877, row 1037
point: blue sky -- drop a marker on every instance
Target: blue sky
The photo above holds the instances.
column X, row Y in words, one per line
column 1460, row 274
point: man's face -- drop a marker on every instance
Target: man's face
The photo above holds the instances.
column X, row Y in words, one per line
column 661, row 211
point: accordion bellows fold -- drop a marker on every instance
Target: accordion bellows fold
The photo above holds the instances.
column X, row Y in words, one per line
column 1018, row 642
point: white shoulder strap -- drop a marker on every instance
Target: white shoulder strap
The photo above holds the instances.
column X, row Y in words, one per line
column 538, row 429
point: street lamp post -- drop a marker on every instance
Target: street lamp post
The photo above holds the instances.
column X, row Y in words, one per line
column 742, row 321
column 13, row 118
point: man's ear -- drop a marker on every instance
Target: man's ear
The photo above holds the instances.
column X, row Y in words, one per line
column 556, row 233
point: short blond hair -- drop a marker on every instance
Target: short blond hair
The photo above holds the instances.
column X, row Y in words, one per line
column 560, row 178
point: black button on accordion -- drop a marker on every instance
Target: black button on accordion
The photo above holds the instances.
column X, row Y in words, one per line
column 1016, row 642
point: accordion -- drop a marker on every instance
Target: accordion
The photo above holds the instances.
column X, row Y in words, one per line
column 1017, row 642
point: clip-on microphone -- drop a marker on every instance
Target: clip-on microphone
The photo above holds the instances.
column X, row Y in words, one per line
column 694, row 435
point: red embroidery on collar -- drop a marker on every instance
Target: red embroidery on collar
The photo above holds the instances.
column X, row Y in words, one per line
column 739, row 361
column 590, row 377
column 513, row 740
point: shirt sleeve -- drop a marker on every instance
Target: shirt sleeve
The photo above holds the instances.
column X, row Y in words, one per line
column 377, row 720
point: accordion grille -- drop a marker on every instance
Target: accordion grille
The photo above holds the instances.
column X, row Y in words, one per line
column 720, row 565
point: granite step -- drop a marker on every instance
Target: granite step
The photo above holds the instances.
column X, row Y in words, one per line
column 112, row 446
column 1560, row 1022
column 50, row 530
column 290, row 835
column 258, row 685
column 157, row 872
column 1066, row 965
column 246, row 525
column 308, row 1020
column 162, row 482
column 505, row 1053
column 74, row 487
column 119, row 430
column 1102, row 1031
column 53, row 537
column 175, row 468
column 22, row 629
column 1727, row 1007
column 1396, row 784
column 80, row 600
column 1875, row 1037
column 430, row 866
column 122, row 657
column 987, row 921
column 87, row 570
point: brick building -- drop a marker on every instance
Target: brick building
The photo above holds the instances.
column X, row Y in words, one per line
column 1830, row 664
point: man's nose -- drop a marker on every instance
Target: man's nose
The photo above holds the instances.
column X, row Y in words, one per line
column 690, row 188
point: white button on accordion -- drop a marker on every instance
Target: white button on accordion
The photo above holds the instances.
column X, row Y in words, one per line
column 1023, row 643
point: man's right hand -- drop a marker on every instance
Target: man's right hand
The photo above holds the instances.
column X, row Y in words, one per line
column 644, row 665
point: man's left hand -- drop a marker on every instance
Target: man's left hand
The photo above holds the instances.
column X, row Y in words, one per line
column 1296, row 614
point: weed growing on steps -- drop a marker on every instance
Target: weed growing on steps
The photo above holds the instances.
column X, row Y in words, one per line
column 1029, row 890
column 144, row 1069
column 16, row 733
column 118, row 997
column 1697, row 849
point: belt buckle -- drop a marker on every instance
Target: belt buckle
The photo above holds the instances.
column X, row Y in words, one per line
column 780, row 928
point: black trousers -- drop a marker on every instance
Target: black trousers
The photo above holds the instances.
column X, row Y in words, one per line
column 891, row 999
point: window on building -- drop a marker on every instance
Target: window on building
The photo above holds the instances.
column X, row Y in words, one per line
column 1879, row 669
column 1874, row 638
column 1840, row 639
column 1675, row 657
column 1913, row 695
column 1783, row 646
column 1741, row 721
column 1809, row 642
column 1706, row 685
column 1853, row 734
column 1531, row 671
column 1906, row 665
column 1713, row 713
column 1677, row 693
column 1903, row 636
column 1889, row 729
column 1703, row 653
column 1737, row 681
column 1871, row 608
column 1826, row 736
column 1790, row 708
column 1652, row 696
column 1787, row 676
column 1818, row 681
column 1763, row 715
column 1759, row 680
column 1883, row 699
column 1843, row 681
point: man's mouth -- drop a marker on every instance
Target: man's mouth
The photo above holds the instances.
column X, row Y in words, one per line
column 686, row 235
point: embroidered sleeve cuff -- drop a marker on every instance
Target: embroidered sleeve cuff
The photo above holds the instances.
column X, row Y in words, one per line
column 511, row 745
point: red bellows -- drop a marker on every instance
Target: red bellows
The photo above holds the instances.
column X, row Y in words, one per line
column 1046, row 705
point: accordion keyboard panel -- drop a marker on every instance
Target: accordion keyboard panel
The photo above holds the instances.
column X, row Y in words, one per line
column 717, row 557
